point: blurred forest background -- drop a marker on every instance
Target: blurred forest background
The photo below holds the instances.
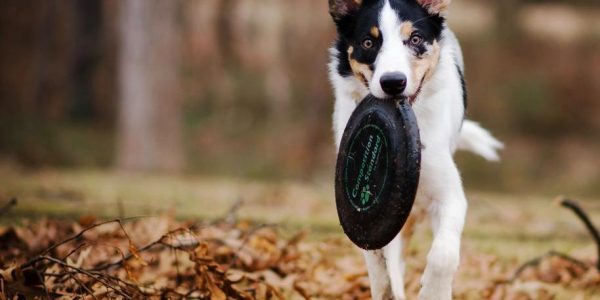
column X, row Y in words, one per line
column 239, row 88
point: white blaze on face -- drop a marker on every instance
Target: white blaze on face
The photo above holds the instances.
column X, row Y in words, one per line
column 393, row 56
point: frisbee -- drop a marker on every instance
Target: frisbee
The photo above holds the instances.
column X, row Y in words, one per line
column 377, row 171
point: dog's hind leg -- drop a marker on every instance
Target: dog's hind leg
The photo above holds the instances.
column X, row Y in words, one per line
column 378, row 276
column 395, row 267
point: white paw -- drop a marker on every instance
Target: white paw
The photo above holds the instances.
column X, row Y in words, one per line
column 400, row 296
column 442, row 263
column 398, row 291
column 435, row 293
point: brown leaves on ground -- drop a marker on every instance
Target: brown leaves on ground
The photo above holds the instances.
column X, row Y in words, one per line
column 538, row 278
column 161, row 258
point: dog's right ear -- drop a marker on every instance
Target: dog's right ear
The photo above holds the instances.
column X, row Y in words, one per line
column 340, row 9
column 435, row 7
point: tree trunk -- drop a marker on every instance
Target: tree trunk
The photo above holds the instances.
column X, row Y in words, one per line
column 86, row 56
column 150, row 131
column 507, row 19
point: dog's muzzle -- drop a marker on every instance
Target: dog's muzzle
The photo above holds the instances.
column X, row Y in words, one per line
column 393, row 83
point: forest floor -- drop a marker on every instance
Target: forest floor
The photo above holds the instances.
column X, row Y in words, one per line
column 502, row 233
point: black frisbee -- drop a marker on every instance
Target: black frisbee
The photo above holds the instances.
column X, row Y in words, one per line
column 377, row 171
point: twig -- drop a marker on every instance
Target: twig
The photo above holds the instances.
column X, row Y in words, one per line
column 32, row 261
column 118, row 280
column 536, row 261
column 88, row 273
column 125, row 232
column 8, row 206
column 574, row 206
column 232, row 213
column 247, row 237
column 74, row 250
column 80, row 283
column 130, row 255
column 41, row 279
column 581, row 214
column 125, row 258
column 83, row 285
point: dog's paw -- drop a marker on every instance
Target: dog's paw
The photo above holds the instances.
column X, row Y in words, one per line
column 442, row 263
column 398, row 292
column 435, row 293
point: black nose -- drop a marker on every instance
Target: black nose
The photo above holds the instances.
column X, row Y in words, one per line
column 393, row 83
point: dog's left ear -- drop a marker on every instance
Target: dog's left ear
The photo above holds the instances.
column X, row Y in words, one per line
column 340, row 9
column 435, row 7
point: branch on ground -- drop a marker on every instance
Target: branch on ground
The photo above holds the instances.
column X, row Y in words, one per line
column 8, row 206
column 583, row 216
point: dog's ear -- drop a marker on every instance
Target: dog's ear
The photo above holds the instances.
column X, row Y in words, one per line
column 435, row 7
column 340, row 9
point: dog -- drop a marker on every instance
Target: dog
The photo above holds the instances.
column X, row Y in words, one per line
column 392, row 48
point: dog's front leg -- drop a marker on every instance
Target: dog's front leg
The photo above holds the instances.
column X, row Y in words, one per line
column 442, row 184
column 386, row 271
column 378, row 276
column 395, row 267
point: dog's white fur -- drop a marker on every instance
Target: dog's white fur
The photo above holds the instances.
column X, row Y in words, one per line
column 439, row 110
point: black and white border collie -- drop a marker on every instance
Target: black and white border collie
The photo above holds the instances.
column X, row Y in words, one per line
column 403, row 47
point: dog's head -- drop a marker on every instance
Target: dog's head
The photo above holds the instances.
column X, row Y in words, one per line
column 392, row 46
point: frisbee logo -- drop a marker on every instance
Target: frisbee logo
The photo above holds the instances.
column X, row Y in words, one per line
column 365, row 173
column 365, row 196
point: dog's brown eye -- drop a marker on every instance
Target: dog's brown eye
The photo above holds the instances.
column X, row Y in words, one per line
column 416, row 39
column 368, row 43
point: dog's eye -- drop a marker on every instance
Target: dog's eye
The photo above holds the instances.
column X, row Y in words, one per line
column 416, row 39
column 368, row 43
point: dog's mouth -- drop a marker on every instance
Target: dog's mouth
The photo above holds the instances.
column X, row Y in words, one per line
column 413, row 98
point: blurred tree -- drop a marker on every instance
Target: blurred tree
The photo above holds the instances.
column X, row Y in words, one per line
column 270, row 43
column 507, row 19
column 45, row 78
column 150, row 133
column 88, row 37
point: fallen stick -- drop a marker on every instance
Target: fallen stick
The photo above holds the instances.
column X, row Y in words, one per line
column 130, row 255
column 231, row 217
column 96, row 276
column 572, row 205
column 72, row 238
column 536, row 261
column 582, row 215
column 8, row 206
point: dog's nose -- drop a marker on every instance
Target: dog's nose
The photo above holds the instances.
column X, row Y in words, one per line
column 393, row 83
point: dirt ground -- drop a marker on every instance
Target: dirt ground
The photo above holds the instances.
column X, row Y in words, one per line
column 502, row 231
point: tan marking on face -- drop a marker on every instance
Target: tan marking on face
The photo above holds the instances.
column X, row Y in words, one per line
column 360, row 70
column 406, row 29
column 359, row 2
column 375, row 32
column 423, row 68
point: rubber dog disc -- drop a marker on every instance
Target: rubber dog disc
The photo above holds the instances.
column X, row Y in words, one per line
column 377, row 171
